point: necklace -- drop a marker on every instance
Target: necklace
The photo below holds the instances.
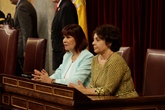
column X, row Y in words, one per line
column 103, row 60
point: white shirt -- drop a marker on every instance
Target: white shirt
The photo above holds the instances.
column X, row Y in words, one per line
column 18, row 2
column 59, row 3
column 68, row 72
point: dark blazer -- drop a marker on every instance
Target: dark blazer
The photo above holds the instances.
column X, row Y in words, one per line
column 66, row 14
column 25, row 20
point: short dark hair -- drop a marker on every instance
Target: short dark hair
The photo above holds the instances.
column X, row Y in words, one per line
column 76, row 31
column 110, row 34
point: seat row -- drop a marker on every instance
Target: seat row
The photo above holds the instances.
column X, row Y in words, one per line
column 154, row 70
column 34, row 54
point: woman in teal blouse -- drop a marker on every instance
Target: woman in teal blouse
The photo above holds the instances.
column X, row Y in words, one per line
column 77, row 60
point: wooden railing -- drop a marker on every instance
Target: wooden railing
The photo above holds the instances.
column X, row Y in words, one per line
column 21, row 93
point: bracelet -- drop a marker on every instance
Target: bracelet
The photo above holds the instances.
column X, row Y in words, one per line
column 97, row 91
column 53, row 81
column 100, row 91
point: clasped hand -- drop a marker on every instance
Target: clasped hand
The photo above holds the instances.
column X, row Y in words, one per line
column 41, row 76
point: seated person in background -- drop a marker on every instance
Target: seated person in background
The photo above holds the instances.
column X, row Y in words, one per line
column 9, row 20
column 110, row 74
column 76, row 64
column 2, row 17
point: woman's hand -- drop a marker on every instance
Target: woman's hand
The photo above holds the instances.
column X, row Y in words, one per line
column 84, row 90
column 79, row 87
column 41, row 76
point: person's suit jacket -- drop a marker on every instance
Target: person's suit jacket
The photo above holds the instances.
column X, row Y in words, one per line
column 65, row 14
column 25, row 20
column 80, row 70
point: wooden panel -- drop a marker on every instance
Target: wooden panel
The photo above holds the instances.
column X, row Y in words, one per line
column 48, row 107
column 36, row 106
column 63, row 93
column 9, row 81
column 52, row 89
column 26, row 85
column 18, row 102
column 6, row 99
column 43, row 88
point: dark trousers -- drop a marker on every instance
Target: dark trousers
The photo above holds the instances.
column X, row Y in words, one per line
column 19, row 66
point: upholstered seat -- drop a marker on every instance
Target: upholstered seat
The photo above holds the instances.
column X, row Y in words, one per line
column 8, row 49
column 126, row 53
column 154, row 73
column 34, row 55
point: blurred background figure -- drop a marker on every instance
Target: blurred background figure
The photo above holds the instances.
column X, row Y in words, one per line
column 65, row 14
column 2, row 17
column 25, row 20
column 9, row 20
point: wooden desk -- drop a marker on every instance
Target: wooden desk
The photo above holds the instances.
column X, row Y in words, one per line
column 26, row 94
